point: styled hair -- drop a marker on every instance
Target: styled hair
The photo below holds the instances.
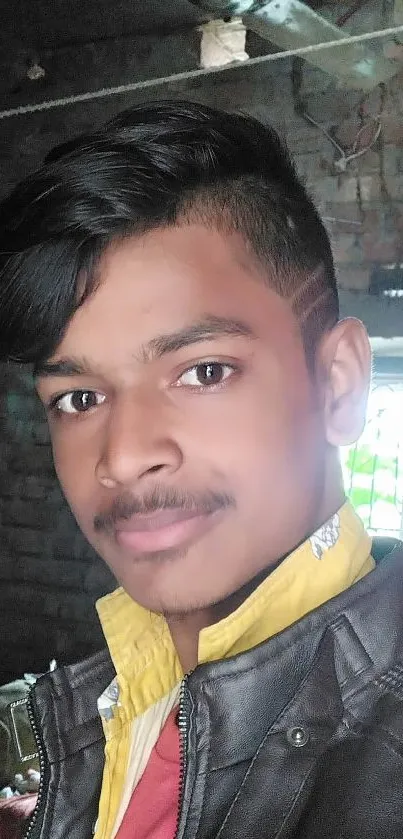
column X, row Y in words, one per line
column 156, row 165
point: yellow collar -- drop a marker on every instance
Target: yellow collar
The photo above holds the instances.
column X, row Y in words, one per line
column 147, row 666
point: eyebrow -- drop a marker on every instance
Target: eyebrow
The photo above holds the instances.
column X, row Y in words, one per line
column 204, row 330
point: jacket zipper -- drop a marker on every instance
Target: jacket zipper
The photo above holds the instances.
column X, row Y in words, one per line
column 42, row 765
column 183, row 741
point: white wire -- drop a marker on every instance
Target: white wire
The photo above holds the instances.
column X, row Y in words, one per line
column 344, row 159
column 326, row 133
column 355, row 154
column 195, row 74
column 342, row 221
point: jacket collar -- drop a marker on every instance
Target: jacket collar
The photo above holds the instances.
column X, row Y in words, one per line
column 66, row 699
column 147, row 666
column 343, row 650
column 318, row 678
column 351, row 640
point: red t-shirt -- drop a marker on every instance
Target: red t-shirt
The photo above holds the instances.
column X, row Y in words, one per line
column 15, row 814
column 153, row 809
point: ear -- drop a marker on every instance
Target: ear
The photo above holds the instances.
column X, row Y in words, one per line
column 344, row 365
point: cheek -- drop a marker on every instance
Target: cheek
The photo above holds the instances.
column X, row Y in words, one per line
column 260, row 424
column 266, row 446
column 278, row 482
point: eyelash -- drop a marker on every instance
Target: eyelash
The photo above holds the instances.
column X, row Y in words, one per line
column 52, row 406
column 209, row 363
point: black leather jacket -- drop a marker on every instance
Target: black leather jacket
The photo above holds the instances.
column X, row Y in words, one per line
column 300, row 737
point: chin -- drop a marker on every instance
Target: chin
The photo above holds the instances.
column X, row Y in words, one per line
column 180, row 582
column 165, row 596
column 169, row 603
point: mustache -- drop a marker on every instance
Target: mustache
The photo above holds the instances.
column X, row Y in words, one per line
column 161, row 498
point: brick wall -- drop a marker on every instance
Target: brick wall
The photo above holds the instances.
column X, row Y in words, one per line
column 369, row 194
column 49, row 576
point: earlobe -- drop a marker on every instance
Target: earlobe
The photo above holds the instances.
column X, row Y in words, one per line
column 346, row 363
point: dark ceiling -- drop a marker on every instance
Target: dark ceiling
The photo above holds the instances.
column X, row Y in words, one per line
column 52, row 23
column 52, row 50
column 48, row 24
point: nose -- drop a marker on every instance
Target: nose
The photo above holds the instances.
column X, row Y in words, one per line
column 138, row 442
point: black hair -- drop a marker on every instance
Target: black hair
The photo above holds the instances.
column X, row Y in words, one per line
column 156, row 165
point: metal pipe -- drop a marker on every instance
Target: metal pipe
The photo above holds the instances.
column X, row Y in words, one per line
column 291, row 24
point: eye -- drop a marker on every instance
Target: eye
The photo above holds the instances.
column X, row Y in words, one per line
column 206, row 375
column 77, row 401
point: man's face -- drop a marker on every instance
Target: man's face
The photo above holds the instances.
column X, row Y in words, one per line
column 186, row 430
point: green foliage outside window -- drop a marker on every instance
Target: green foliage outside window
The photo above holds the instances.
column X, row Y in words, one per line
column 373, row 468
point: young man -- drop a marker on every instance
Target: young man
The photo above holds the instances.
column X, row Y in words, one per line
column 173, row 285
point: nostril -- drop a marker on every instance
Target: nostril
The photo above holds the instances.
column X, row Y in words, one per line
column 153, row 469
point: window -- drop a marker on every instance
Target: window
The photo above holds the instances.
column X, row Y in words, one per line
column 373, row 468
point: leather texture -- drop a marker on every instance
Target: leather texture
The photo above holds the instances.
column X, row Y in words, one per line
column 299, row 738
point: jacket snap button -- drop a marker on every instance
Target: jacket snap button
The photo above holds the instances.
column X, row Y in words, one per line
column 297, row 736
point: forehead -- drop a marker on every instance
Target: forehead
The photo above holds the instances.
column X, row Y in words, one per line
column 167, row 280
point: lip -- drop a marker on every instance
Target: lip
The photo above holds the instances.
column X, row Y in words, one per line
column 163, row 530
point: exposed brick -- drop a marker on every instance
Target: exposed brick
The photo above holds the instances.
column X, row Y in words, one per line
column 369, row 163
column 371, row 220
column 44, row 640
column 68, row 551
column 399, row 162
column 347, row 131
column 40, row 434
column 347, row 248
column 38, row 486
column 33, row 460
column 379, row 249
column 24, row 540
column 24, row 513
column 347, row 189
column 354, row 277
column 72, row 607
column 98, row 579
column 394, row 187
column 370, row 188
column 34, row 600
column 344, row 212
column 372, row 103
column 392, row 130
column 35, row 570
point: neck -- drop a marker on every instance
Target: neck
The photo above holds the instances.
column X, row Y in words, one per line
column 185, row 629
